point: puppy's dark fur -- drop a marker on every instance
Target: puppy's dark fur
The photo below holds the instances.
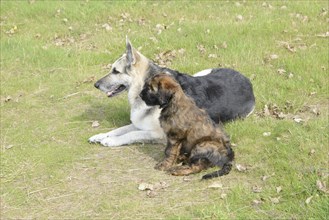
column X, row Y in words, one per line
column 192, row 137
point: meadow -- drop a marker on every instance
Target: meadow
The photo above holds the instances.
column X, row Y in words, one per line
column 53, row 52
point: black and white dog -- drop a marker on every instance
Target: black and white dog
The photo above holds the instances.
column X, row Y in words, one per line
column 224, row 93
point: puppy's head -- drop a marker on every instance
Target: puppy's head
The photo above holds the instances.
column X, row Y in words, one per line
column 159, row 90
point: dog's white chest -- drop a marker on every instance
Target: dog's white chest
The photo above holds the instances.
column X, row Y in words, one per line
column 145, row 117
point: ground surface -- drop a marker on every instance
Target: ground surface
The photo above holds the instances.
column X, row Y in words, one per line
column 52, row 53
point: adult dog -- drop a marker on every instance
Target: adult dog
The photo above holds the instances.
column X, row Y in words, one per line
column 223, row 93
column 191, row 135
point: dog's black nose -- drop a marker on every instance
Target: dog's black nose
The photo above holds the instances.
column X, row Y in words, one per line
column 97, row 84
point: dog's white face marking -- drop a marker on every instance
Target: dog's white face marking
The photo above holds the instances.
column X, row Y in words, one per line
column 117, row 80
column 203, row 73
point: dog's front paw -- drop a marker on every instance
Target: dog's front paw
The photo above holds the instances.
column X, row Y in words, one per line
column 97, row 138
column 164, row 165
column 111, row 142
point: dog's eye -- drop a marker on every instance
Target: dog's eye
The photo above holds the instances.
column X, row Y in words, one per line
column 115, row 71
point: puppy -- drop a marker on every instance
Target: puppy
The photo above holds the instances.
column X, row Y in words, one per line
column 192, row 137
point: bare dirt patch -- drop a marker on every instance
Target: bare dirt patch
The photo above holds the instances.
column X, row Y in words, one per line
column 108, row 183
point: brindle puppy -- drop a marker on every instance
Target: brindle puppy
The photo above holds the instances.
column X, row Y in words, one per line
column 192, row 137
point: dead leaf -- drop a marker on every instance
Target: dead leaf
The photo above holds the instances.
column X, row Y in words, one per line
column 165, row 58
column 267, row 5
column 324, row 12
column 264, row 178
column 160, row 185
column 322, row 186
column 89, row 79
column 270, row 57
column 266, row 111
column 281, row 71
column 145, row 186
column 272, row 110
column 288, row 46
column 223, row 195
column 275, row 200
column 239, row 18
column 308, row 200
column 256, row 202
column 154, row 39
column 215, row 185
column 278, row 189
column 273, row 57
column 141, row 21
column 257, row 189
column 95, row 124
column 224, row 45
column 107, row 27
column 323, row 35
column 241, row 168
column 181, row 51
column 212, row 56
column 63, row 41
column 267, row 134
column 7, row 147
column 159, row 28
column 311, row 152
column 186, row 179
column 314, row 109
column 12, row 30
column 8, row 98
column 201, row 48
column 297, row 119
column 151, row 193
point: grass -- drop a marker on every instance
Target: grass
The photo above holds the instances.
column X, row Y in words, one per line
column 58, row 49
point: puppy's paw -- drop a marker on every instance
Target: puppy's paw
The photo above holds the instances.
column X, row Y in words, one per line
column 180, row 170
column 97, row 138
column 164, row 165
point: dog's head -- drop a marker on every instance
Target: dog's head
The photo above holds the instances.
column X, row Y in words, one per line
column 124, row 70
column 159, row 90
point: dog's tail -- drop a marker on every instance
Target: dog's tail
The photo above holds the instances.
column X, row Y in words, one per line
column 225, row 162
column 225, row 170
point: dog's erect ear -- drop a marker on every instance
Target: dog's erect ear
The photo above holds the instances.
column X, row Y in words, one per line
column 131, row 54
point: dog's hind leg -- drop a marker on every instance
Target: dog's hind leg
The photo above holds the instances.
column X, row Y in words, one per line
column 136, row 136
column 221, row 157
column 116, row 132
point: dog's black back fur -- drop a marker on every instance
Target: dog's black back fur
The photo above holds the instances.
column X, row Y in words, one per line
column 224, row 93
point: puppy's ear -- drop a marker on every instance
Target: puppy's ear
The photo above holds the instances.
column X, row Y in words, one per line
column 168, row 84
column 131, row 54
